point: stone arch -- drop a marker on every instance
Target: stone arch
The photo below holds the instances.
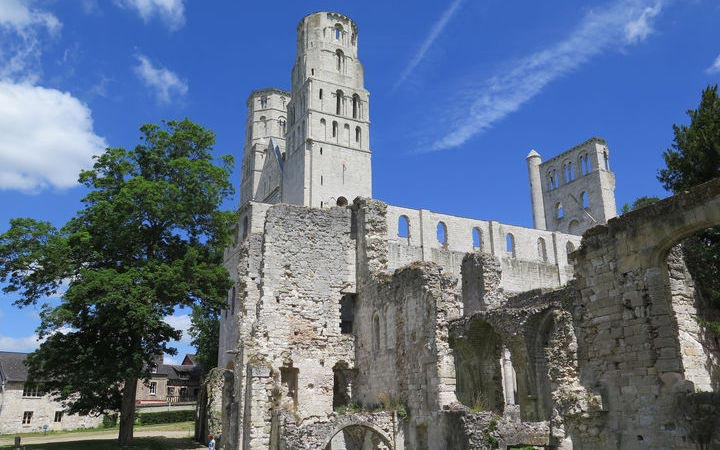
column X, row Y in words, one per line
column 477, row 238
column 538, row 405
column 542, row 249
column 478, row 381
column 350, row 426
column 573, row 227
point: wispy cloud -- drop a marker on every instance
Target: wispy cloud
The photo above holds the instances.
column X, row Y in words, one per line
column 181, row 323
column 435, row 32
column 165, row 84
column 172, row 12
column 20, row 30
column 715, row 67
column 21, row 344
column 615, row 26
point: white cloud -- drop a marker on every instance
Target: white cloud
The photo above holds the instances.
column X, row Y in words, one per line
column 21, row 344
column 621, row 23
column 182, row 323
column 715, row 67
column 17, row 14
column 46, row 137
column 435, row 32
column 164, row 83
column 172, row 12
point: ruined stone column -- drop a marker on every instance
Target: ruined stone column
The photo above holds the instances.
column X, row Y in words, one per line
column 536, row 196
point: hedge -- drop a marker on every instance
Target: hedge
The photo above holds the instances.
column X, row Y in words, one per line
column 165, row 417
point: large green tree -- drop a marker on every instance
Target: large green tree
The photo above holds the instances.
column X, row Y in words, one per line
column 148, row 238
column 693, row 159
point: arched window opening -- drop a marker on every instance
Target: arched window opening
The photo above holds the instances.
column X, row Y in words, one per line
column 321, row 150
column 356, row 106
column 404, row 227
column 571, row 171
column 584, row 200
column 376, row 333
column 569, row 247
column 442, row 233
column 607, row 161
column 556, row 180
column 320, row 94
column 263, row 101
column 510, row 244
column 342, row 384
column 342, row 201
column 338, row 31
column 549, row 181
column 338, row 102
column 585, row 164
column 477, row 238
column 245, row 230
column 283, row 125
column 323, row 131
column 542, row 249
column 340, row 56
column 312, row 71
column 334, row 129
column 263, row 121
column 559, row 212
column 346, row 134
column 358, row 135
column 573, row 227
column 321, row 180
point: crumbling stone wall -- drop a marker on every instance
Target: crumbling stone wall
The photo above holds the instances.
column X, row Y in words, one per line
column 635, row 321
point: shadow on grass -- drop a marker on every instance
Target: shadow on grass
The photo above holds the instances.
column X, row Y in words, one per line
column 154, row 443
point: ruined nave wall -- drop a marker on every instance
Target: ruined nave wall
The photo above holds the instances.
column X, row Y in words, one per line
column 530, row 258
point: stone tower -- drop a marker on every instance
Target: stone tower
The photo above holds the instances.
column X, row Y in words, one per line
column 264, row 146
column 328, row 153
column 573, row 191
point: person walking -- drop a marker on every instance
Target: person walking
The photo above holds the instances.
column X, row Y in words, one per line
column 211, row 443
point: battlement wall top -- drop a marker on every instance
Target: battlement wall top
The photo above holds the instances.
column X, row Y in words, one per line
column 575, row 149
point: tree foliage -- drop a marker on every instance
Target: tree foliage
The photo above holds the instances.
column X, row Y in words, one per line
column 639, row 202
column 695, row 154
column 205, row 332
column 148, row 238
column 694, row 159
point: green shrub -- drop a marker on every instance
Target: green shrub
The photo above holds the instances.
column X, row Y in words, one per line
column 110, row 420
column 165, row 417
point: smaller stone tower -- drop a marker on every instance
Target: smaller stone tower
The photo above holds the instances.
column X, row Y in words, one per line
column 264, row 146
column 573, row 191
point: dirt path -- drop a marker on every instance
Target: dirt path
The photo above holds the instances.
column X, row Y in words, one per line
column 92, row 435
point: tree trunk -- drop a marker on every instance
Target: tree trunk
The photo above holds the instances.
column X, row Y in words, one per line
column 127, row 412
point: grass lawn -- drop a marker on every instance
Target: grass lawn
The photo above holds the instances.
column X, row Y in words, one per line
column 178, row 426
column 111, row 444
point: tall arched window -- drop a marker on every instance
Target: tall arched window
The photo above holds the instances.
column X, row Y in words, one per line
column 263, row 122
column 607, row 161
column 340, row 59
column 338, row 31
column 334, row 129
column 510, row 244
column 571, row 171
column 477, row 238
column 338, row 102
column 442, row 233
column 323, row 129
column 542, row 250
column 376, row 333
column 584, row 200
column 356, row 106
column 559, row 212
column 584, row 164
column 556, row 180
column 404, row 227
column 320, row 94
column 573, row 227
column 358, row 135
column 569, row 247
column 283, row 125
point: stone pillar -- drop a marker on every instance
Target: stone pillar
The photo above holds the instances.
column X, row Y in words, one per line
column 508, row 376
column 536, row 196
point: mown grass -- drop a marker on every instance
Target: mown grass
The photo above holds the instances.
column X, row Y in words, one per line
column 179, row 426
column 155, row 443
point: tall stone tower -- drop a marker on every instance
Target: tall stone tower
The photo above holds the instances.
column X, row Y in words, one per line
column 328, row 153
column 573, row 191
column 264, row 146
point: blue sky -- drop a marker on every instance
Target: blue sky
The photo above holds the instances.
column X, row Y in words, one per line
column 461, row 90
